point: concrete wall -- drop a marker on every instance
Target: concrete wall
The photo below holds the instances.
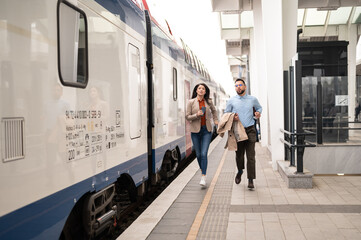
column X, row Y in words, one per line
column 333, row 159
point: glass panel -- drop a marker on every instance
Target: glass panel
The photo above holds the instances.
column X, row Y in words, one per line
column 81, row 63
column 358, row 99
column 315, row 17
column 300, row 13
column 355, row 135
column 229, row 20
column 247, row 19
column 335, row 115
column 340, row 16
column 72, row 46
column 309, row 105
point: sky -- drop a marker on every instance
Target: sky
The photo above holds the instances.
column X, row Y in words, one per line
column 199, row 27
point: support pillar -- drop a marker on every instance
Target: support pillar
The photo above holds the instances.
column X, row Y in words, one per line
column 351, row 71
column 258, row 73
column 349, row 33
column 275, row 43
column 273, row 37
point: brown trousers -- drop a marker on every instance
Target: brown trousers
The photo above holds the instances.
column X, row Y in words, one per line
column 248, row 147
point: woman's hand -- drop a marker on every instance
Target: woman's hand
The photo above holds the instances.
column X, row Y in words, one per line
column 199, row 113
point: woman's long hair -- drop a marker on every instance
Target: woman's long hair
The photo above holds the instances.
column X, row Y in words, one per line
column 206, row 95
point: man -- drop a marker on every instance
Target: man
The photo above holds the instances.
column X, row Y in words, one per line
column 243, row 104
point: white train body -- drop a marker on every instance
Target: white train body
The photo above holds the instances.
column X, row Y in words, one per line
column 75, row 108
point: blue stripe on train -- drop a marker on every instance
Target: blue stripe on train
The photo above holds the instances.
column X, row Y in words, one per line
column 45, row 218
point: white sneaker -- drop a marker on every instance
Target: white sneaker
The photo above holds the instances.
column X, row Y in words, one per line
column 203, row 181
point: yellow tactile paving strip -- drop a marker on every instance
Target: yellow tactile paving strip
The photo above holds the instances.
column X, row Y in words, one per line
column 203, row 208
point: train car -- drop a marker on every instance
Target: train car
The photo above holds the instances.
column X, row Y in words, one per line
column 92, row 110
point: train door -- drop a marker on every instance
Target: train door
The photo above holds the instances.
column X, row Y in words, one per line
column 135, row 124
column 187, row 93
column 136, row 101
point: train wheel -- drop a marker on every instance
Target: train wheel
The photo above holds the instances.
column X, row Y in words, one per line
column 170, row 164
column 73, row 228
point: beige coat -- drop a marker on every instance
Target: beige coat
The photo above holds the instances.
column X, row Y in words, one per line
column 195, row 121
column 227, row 124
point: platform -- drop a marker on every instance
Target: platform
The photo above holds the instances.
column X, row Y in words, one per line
column 224, row 210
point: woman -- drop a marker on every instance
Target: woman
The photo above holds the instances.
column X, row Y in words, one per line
column 198, row 113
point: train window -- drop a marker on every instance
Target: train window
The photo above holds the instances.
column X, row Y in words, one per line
column 189, row 56
column 135, row 122
column 175, row 86
column 196, row 63
column 72, row 45
column 185, row 51
column 192, row 59
column 207, row 75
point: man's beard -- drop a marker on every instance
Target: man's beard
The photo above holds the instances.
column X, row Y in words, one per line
column 241, row 92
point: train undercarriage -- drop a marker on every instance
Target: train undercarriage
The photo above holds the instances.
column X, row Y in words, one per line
column 97, row 215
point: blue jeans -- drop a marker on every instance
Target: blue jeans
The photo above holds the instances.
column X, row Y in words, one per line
column 201, row 141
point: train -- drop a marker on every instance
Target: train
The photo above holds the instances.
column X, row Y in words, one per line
column 93, row 96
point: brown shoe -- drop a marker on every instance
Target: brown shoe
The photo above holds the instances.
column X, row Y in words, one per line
column 238, row 177
column 250, row 183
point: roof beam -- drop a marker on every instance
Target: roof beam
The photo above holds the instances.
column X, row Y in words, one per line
column 225, row 6
column 304, row 21
column 326, row 23
column 352, row 14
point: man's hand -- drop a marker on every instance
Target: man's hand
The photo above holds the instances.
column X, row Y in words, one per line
column 236, row 118
column 257, row 115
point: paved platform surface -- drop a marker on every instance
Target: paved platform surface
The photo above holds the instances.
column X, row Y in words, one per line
column 224, row 210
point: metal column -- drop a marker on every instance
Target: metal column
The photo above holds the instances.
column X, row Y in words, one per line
column 292, row 113
column 299, row 124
